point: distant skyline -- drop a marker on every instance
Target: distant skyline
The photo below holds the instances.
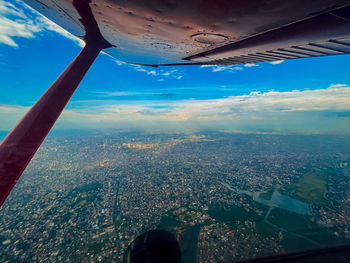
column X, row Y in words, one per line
column 300, row 96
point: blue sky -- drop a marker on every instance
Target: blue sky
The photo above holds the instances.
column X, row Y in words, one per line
column 305, row 95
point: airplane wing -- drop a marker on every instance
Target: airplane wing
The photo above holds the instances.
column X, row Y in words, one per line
column 199, row 32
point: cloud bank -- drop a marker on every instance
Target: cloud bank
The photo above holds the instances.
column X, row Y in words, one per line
column 316, row 111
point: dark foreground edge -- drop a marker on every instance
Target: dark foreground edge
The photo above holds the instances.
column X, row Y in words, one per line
column 328, row 254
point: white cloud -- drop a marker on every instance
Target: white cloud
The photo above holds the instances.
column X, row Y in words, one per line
column 10, row 29
column 332, row 98
column 152, row 72
column 220, row 68
column 277, row 62
column 226, row 68
column 15, row 23
column 251, row 65
column 139, row 68
column 161, row 73
column 337, row 85
column 175, row 73
column 231, row 69
column 292, row 109
column 147, row 70
column 10, row 9
column 118, row 62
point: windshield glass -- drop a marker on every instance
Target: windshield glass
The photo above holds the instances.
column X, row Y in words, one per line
column 236, row 161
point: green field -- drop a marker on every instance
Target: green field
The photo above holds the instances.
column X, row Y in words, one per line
column 311, row 188
column 170, row 222
column 303, row 226
column 227, row 213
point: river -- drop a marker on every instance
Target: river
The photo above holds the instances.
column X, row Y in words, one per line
column 277, row 200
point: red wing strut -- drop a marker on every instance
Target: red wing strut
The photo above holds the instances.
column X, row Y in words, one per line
column 19, row 147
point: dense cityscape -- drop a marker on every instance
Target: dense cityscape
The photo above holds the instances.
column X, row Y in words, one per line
column 225, row 196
